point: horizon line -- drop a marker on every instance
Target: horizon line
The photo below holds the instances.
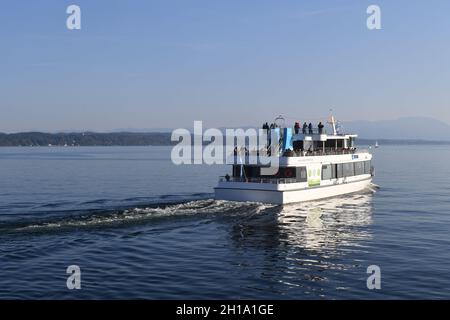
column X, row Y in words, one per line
column 167, row 129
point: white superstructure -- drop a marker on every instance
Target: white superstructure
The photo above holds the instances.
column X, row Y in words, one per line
column 312, row 165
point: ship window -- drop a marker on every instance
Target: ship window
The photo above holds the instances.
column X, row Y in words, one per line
column 287, row 172
column 327, row 172
column 252, row 171
column 367, row 166
column 301, row 174
column 359, row 168
column 236, row 170
column 339, row 171
column 331, row 143
column 298, row 145
column 283, row 172
column 351, row 142
column 348, row 169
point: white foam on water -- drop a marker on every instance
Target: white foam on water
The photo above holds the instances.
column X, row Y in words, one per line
column 195, row 207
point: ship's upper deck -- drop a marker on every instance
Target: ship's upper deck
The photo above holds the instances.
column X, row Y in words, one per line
column 306, row 145
column 294, row 158
column 308, row 139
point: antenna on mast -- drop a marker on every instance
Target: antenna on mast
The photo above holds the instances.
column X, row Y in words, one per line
column 280, row 122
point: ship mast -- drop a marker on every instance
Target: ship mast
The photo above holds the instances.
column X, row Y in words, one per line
column 333, row 123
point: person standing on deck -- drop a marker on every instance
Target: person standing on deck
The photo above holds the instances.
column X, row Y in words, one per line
column 296, row 128
column 320, row 126
column 305, row 126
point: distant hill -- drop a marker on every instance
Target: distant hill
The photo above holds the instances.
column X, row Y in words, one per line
column 401, row 131
column 413, row 128
column 85, row 139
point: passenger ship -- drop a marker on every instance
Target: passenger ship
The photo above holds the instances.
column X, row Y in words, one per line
column 312, row 165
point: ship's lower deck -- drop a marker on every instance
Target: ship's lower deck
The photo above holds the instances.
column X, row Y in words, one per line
column 288, row 193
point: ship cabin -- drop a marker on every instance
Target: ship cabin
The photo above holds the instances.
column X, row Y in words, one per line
column 333, row 157
column 317, row 144
column 305, row 164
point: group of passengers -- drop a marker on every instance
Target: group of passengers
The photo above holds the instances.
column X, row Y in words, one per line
column 306, row 129
column 266, row 126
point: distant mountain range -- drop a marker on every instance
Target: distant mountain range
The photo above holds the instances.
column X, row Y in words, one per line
column 408, row 128
column 400, row 131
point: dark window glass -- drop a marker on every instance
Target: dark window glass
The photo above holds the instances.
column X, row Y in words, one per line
column 348, row 169
column 330, row 143
column 252, row 171
column 283, row 172
column 367, row 165
column 236, row 171
column 287, row 172
column 339, row 171
column 359, row 168
column 327, row 172
column 301, row 174
column 298, row 145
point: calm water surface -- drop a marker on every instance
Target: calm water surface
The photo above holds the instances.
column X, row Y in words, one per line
column 140, row 227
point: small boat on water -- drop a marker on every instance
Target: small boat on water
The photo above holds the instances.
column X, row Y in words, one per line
column 311, row 165
column 376, row 144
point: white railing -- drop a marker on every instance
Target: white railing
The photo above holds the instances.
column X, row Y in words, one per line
column 257, row 180
column 317, row 152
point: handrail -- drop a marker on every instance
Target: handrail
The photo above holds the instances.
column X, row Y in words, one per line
column 257, row 180
column 314, row 131
column 317, row 152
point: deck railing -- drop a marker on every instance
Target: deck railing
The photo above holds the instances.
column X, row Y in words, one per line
column 328, row 152
column 308, row 133
column 258, row 180
column 306, row 153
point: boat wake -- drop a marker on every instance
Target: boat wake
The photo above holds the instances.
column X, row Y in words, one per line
column 153, row 212
column 136, row 215
column 373, row 187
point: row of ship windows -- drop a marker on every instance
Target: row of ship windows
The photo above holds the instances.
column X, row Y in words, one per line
column 329, row 171
column 341, row 170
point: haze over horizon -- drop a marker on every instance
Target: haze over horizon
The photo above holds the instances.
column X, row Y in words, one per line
column 161, row 64
column 407, row 128
column 289, row 122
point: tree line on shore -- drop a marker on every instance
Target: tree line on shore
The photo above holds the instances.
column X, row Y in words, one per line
column 36, row 139
column 85, row 139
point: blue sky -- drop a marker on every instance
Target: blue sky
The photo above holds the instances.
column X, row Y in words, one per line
column 146, row 64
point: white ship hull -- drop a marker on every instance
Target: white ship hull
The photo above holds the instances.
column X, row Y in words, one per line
column 283, row 194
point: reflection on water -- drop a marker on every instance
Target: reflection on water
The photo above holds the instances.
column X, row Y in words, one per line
column 317, row 225
column 305, row 244
column 327, row 224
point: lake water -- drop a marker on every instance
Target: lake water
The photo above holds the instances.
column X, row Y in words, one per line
column 140, row 227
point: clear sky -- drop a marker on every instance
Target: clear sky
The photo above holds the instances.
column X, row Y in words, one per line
column 147, row 64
